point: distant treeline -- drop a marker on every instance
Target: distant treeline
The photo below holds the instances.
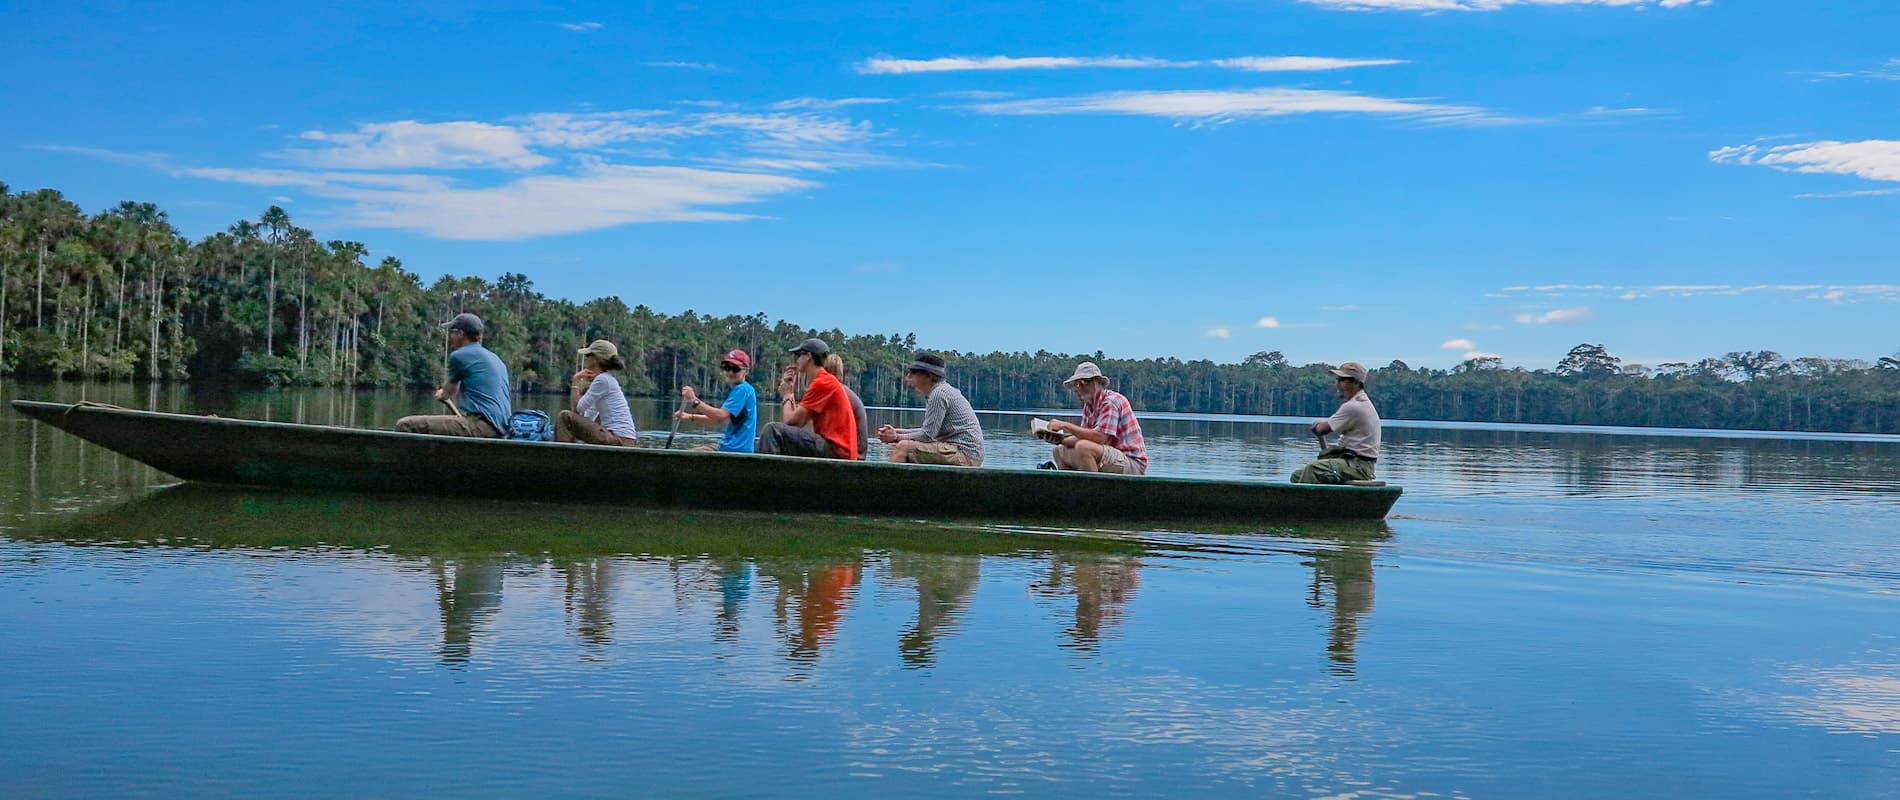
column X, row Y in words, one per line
column 122, row 294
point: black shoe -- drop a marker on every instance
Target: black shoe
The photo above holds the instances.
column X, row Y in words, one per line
column 1046, row 465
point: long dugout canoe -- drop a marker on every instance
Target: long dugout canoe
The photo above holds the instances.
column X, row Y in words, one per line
column 284, row 455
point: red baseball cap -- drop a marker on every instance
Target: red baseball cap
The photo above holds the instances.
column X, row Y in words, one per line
column 739, row 357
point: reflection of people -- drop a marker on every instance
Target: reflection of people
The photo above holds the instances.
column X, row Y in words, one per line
column 740, row 412
column 1103, row 586
column 945, row 586
column 950, row 433
column 825, row 406
column 477, row 378
column 1357, row 424
column 1349, row 571
column 821, row 593
column 468, row 592
column 599, row 414
column 588, row 600
column 735, row 584
column 1109, row 438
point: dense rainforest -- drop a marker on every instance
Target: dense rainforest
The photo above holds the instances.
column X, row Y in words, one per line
column 123, row 295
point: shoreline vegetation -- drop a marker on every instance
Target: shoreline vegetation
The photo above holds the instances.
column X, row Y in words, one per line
column 123, row 295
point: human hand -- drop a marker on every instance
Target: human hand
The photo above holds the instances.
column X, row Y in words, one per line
column 679, row 415
column 688, row 396
column 439, row 395
column 584, row 377
column 887, row 434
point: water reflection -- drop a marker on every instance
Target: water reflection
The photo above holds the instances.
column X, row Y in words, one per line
column 1101, row 587
column 1342, row 582
column 468, row 594
column 944, row 590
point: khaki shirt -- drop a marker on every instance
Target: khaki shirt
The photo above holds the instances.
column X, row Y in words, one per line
column 1357, row 424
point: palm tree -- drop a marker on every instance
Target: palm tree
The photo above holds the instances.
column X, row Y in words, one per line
column 277, row 221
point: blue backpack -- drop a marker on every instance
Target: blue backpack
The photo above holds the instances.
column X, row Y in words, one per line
column 530, row 426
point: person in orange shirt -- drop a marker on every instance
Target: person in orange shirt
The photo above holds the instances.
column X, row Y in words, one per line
column 825, row 406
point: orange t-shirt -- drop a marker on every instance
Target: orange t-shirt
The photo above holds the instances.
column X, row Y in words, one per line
column 831, row 413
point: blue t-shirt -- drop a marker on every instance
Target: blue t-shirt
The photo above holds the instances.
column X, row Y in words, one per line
column 743, row 428
column 484, row 384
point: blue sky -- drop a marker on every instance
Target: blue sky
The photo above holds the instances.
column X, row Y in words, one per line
column 1335, row 179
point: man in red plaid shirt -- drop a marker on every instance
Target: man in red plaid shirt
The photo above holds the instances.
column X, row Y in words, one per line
column 1109, row 438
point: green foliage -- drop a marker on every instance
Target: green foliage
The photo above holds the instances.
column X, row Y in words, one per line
column 123, row 295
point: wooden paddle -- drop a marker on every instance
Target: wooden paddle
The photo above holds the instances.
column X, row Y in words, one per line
column 678, row 406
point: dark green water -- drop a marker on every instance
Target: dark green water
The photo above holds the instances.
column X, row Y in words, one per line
column 1547, row 614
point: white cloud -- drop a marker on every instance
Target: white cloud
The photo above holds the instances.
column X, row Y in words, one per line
column 1220, row 333
column 408, row 144
column 1843, row 293
column 1268, row 322
column 1873, row 159
column 1838, row 195
column 582, row 27
column 1488, row 5
column 1205, row 107
column 1300, row 63
column 1476, row 354
column 553, row 173
column 912, row 66
column 1889, row 71
column 798, row 103
column 703, row 67
column 1558, row 316
column 1457, row 344
column 602, row 196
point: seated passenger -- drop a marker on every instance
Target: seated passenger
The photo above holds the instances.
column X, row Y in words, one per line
column 599, row 414
column 1357, row 424
column 834, row 364
column 1109, row 438
column 950, row 433
column 740, row 412
column 825, row 407
column 477, row 378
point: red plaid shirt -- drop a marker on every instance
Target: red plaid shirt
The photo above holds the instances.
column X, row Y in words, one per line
column 1111, row 414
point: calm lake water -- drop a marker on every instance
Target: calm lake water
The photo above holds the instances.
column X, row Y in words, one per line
column 1546, row 614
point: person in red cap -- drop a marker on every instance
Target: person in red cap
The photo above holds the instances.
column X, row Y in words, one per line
column 740, row 412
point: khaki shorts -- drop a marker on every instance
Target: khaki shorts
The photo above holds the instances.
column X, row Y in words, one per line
column 1116, row 462
column 942, row 453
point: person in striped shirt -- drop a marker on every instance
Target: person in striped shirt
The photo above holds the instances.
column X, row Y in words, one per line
column 1109, row 438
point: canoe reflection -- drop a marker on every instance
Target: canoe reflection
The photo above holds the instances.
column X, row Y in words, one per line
column 797, row 581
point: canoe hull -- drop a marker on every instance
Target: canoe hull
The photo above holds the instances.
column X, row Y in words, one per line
column 314, row 457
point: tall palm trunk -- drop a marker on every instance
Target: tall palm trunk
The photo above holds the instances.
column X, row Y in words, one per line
column 85, row 333
column 39, row 291
column 270, row 302
column 158, row 293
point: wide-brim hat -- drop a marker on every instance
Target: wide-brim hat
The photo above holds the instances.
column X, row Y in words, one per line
column 601, row 349
column 1085, row 371
column 1353, row 370
column 923, row 366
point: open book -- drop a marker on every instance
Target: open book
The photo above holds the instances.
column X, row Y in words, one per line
column 1039, row 428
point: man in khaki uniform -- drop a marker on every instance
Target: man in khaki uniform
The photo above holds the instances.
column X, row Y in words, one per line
column 1357, row 424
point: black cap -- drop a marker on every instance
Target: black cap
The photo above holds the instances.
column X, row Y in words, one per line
column 928, row 362
column 466, row 323
column 815, row 346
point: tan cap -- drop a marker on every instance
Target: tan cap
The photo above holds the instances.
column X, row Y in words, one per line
column 1085, row 371
column 601, row 349
column 1353, row 370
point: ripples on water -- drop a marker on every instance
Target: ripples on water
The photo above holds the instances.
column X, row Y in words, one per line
column 1547, row 614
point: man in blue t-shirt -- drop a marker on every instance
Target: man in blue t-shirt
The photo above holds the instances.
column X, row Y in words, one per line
column 740, row 412
column 478, row 388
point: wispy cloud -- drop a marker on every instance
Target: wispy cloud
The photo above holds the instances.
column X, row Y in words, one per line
column 1838, row 195
column 582, row 27
column 1889, row 71
column 1835, row 293
column 1873, row 159
column 800, row 103
column 1213, row 107
column 684, row 65
column 1457, row 344
column 1220, row 333
column 1557, row 316
column 1488, row 5
column 912, row 66
column 551, row 173
column 1268, row 322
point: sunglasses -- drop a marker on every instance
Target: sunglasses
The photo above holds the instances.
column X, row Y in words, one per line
column 730, row 368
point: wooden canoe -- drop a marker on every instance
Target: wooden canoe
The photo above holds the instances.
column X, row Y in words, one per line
column 320, row 457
